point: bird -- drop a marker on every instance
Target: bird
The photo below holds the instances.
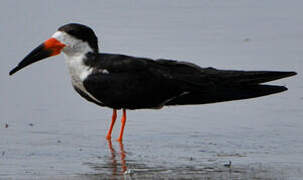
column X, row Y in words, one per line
column 119, row 81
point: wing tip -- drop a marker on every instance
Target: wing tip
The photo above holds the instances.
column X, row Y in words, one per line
column 291, row 73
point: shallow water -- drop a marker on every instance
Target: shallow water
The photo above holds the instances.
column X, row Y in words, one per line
column 54, row 134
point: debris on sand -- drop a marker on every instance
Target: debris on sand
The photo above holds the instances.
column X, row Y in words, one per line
column 129, row 172
column 228, row 164
column 247, row 40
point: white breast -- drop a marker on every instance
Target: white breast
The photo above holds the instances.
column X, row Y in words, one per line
column 75, row 51
column 79, row 72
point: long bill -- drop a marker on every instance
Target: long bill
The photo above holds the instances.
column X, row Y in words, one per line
column 50, row 47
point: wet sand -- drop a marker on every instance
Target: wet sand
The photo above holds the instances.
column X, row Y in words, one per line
column 48, row 132
column 151, row 149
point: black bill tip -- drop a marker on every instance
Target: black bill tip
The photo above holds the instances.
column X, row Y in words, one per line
column 37, row 54
column 13, row 71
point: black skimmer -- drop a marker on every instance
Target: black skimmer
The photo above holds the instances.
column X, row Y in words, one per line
column 125, row 82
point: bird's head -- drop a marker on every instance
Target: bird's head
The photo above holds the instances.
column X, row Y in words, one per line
column 72, row 39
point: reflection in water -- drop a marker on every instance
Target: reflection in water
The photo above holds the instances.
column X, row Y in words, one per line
column 113, row 157
column 116, row 166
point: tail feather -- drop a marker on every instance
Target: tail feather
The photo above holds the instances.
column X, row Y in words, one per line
column 226, row 94
column 210, row 85
column 255, row 77
column 192, row 74
column 243, row 77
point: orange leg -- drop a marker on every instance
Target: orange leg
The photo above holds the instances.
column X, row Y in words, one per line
column 123, row 120
column 123, row 155
column 114, row 117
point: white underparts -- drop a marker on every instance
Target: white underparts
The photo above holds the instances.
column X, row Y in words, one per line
column 75, row 51
column 79, row 72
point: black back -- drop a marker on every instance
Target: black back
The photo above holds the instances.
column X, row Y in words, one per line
column 121, row 81
column 83, row 33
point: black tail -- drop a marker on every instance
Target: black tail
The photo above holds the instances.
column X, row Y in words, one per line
column 192, row 74
column 210, row 85
column 203, row 78
column 251, row 77
column 226, row 94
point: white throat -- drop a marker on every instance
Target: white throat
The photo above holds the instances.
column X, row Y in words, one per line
column 75, row 51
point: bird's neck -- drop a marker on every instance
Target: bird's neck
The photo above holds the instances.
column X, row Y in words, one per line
column 79, row 65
